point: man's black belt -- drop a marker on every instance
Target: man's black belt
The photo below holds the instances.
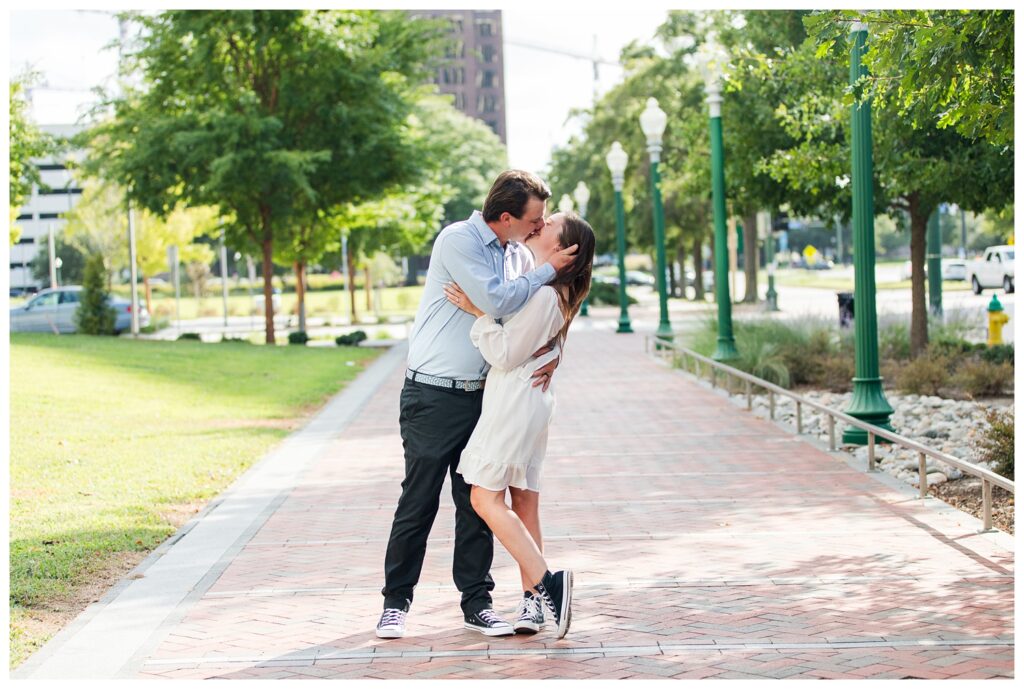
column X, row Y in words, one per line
column 446, row 383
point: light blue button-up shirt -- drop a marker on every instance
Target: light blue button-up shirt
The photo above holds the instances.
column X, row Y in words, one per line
column 469, row 254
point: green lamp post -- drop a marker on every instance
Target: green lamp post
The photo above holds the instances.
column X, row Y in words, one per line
column 868, row 402
column 934, row 257
column 771, row 296
column 652, row 121
column 582, row 196
column 711, row 59
column 617, row 159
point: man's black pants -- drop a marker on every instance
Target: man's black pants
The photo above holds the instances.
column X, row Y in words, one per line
column 436, row 424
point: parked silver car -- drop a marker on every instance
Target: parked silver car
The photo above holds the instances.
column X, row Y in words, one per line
column 54, row 310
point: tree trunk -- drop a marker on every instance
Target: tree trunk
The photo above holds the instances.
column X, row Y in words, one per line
column 698, row 269
column 750, row 258
column 681, row 260
column 268, row 289
column 149, row 295
column 369, row 290
column 714, row 264
column 919, row 311
column 352, row 285
column 671, row 269
column 300, row 292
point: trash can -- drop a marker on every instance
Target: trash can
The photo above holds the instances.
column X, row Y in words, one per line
column 845, row 309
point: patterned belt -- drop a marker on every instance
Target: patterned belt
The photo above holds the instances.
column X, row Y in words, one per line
column 447, row 383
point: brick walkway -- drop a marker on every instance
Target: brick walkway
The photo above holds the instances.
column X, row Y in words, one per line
column 706, row 543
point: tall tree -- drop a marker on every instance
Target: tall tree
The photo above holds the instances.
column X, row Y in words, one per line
column 181, row 228
column 941, row 68
column 916, row 167
column 28, row 143
column 266, row 115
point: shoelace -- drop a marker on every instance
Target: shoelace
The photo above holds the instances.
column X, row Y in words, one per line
column 489, row 616
column 392, row 616
column 547, row 600
column 536, row 607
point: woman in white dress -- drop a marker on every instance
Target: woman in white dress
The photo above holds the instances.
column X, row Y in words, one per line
column 508, row 444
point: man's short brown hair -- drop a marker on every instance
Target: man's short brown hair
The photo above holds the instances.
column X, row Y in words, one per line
column 510, row 193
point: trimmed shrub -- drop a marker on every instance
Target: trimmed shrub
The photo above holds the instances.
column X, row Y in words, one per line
column 350, row 340
column 952, row 347
column 605, row 293
column 837, row 371
column 95, row 315
column 998, row 354
column 983, row 378
column 924, row 375
column 996, row 443
column 189, row 336
column 299, row 337
column 894, row 341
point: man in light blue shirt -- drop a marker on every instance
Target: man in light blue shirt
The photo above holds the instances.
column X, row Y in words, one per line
column 468, row 253
column 443, row 392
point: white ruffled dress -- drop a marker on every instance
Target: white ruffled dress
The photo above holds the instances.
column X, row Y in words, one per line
column 509, row 442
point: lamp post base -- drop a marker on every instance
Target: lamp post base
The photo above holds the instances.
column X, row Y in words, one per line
column 664, row 332
column 868, row 404
column 585, row 307
column 726, row 350
column 771, row 297
column 624, row 326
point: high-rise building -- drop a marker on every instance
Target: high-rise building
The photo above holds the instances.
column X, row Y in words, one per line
column 473, row 71
column 44, row 210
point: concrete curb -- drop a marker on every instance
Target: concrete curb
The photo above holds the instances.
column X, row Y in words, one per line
column 111, row 637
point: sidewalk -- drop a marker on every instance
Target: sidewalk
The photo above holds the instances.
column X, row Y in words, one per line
column 706, row 543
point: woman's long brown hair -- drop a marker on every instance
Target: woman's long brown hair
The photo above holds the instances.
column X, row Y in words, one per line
column 576, row 276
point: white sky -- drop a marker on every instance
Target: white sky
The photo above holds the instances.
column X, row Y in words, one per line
column 67, row 48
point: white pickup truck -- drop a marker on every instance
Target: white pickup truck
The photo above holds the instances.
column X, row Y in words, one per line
column 994, row 269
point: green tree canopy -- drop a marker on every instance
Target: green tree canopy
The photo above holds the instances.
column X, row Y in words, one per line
column 937, row 68
column 271, row 116
column 28, row 143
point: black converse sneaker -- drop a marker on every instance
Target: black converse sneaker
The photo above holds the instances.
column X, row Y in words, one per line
column 488, row 623
column 556, row 591
column 529, row 614
column 392, row 624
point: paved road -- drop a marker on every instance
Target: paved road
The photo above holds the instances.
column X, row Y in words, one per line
column 798, row 303
column 706, row 543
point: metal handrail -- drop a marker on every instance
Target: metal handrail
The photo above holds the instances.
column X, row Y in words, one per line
column 988, row 478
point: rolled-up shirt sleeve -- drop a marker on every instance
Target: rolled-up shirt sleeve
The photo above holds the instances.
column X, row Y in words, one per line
column 472, row 270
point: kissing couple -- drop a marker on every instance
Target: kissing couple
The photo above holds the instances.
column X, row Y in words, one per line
column 502, row 289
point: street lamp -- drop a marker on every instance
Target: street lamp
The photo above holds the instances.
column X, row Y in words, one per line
column 771, row 297
column 652, row 122
column 712, row 58
column 617, row 159
column 582, row 195
column 868, row 402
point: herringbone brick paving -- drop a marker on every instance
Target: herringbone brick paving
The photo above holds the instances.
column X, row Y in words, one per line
column 706, row 543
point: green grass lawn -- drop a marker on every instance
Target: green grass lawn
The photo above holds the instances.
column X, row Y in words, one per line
column 116, row 443
column 394, row 301
column 824, row 280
